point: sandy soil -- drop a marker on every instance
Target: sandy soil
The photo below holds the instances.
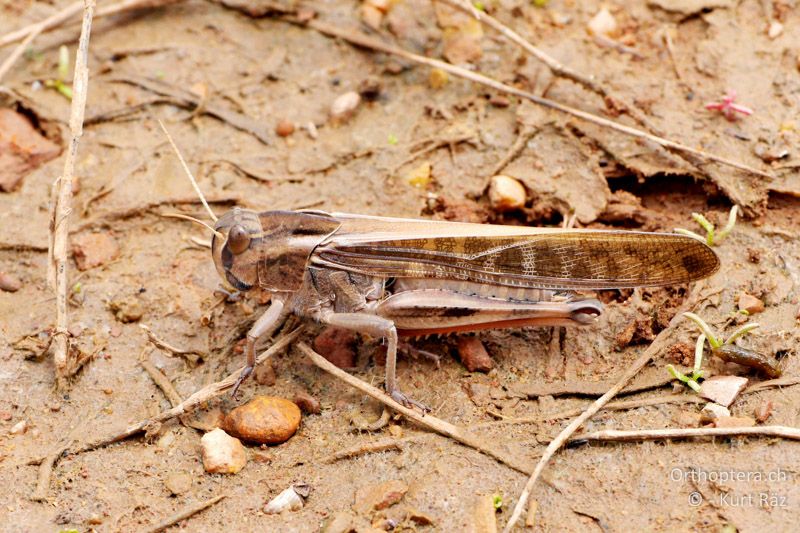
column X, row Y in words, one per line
column 269, row 71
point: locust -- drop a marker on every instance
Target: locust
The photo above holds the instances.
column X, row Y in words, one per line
column 393, row 277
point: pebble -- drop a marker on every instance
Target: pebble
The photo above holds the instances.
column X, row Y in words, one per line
column 288, row 500
column 506, row 193
column 126, row 310
column 483, row 515
column 9, row 282
column 750, row 303
column 92, row 250
column 722, row 389
column 19, row 428
column 420, row 176
column 178, row 482
column 734, row 422
column 763, row 411
column 264, row 420
column 371, row 15
column 345, row 106
column 712, row 412
column 264, row 374
column 775, row 29
column 337, row 346
column 222, row 454
column 284, row 128
column 603, row 23
column 307, row 403
column 473, row 355
column 381, row 496
column 437, row 78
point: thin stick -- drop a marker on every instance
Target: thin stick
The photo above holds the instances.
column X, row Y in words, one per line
column 556, row 67
column 163, row 382
column 655, row 347
column 682, row 433
column 431, row 422
column 188, row 172
column 359, row 39
column 380, row 445
column 185, row 513
column 17, row 52
column 191, row 355
column 62, row 196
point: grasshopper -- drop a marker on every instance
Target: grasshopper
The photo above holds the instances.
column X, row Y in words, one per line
column 389, row 277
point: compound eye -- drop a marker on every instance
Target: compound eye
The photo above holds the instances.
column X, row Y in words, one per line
column 238, row 240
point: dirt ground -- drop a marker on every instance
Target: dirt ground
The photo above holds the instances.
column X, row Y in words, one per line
column 266, row 71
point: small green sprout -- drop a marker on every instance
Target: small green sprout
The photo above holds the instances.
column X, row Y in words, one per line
column 60, row 83
column 713, row 237
column 480, row 6
column 715, row 342
column 497, row 501
column 392, row 139
column 77, row 288
column 540, row 3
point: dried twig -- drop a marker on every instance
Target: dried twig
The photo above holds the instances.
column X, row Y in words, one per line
column 161, row 380
column 431, row 422
column 360, row 39
column 682, row 433
column 61, row 198
column 193, row 356
column 380, row 445
column 655, row 347
column 185, row 513
column 18, row 51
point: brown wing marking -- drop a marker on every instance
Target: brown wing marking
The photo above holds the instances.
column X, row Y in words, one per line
column 563, row 260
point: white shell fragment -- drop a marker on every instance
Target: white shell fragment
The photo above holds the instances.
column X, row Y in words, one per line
column 345, row 106
column 506, row 193
column 722, row 389
column 290, row 499
column 603, row 24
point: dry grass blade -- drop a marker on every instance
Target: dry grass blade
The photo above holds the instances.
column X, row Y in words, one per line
column 188, row 172
column 61, row 199
column 360, row 39
column 683, row 433
column 185, row 513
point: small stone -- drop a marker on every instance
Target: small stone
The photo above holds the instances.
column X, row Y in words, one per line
column 307, row 403
column 722, row 389
column 473, row 355
column 775, row 29
column 498, row 100
column 420, row 176
column 264, row 374
column 371, row 15
column 178, row 482
column 126, row 310
column 284, row 128
column 92, row 250
column 734, row 422
column 370, row 89
column 5, row 416
column 337, row 346
column 483, row 515
column 19, row 428
column 750, row 303
column 222, row 454
column 437, row 78
column 763, row 411
column 506, row 193
column 9, row 282
column 686, row 419
column 712, row 412
column 377, row 497
column 264, row 420
column 345, row 106
column 288, row 500
column 603, row 24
